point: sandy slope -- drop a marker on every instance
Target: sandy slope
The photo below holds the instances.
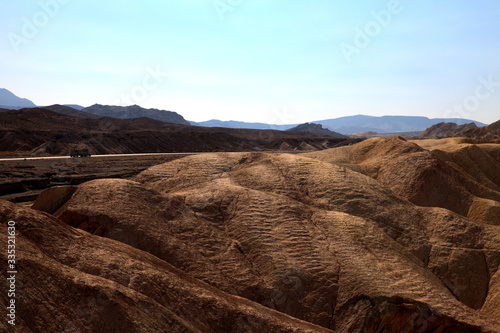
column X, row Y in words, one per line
column 72, row 281
column 457, row 174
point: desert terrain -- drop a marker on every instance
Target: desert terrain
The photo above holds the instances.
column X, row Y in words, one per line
column 386, row 235
column 233, row 166
column 55, row 130
column 22, row 179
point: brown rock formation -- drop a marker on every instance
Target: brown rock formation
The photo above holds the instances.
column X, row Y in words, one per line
column 490, row 132
column 445, row 130
column 304, row 237
column 455, row 174
column 51, row 199
column 246, row 242
column 316, row 129
column 72, row 281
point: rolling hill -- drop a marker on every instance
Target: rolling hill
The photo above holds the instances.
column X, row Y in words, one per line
column 422, row 170
column 351, row 239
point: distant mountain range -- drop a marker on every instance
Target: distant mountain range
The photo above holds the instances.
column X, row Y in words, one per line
column 241, row 124
column 9, row 101
column 56, row 129
column 135, row 111
column 344, row 125
column 354, row 124
column 387, row 124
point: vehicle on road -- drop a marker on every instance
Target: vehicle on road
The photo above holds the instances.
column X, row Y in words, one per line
column 83, row 152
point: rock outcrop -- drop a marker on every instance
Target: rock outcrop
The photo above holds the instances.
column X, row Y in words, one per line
column 445, row 130
column 456, row 174
column 51, row 199
column 490, row 132
column 315, row 129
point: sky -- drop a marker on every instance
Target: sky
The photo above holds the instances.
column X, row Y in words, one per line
column 271, row 61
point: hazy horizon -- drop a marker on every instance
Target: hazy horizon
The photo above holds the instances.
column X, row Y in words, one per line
column 258, row 61
column 239, row 121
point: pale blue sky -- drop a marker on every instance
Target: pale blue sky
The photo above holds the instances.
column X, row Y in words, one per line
column 257, row 60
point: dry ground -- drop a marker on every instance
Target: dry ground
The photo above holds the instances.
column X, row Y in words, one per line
column 382, row 236
column 22, row 181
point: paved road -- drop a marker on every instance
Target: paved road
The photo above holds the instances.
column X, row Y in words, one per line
column 146, row 154
column 93, row 156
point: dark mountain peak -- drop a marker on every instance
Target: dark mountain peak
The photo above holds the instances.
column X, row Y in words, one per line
column 75, row 106
column 316, row 129
column 490, row 132
column 445, row 130
column 135, row 111
column 69, row 111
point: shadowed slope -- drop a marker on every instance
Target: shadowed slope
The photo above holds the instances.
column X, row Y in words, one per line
column 72, row 281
